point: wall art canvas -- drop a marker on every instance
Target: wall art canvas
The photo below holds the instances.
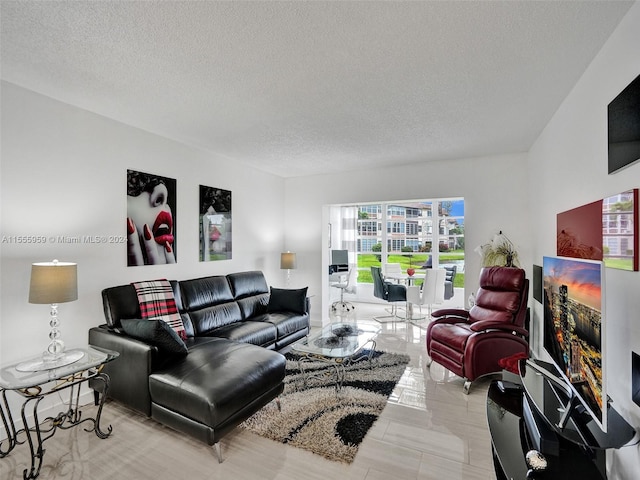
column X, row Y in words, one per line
column 215, row 224
column 620, row 230
column 579, row 232
column 623, row 118
column 151, row 220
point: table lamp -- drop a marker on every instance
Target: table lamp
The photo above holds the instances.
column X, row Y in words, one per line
column 288, row 263
column 53, row 283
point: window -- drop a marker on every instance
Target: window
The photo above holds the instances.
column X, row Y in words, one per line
column 395, row 245
column 412, row 212
column 366, row 244
column 395, row 227
column 369, row 211
column 408, row 233
column 367, row 227
column 395, row 211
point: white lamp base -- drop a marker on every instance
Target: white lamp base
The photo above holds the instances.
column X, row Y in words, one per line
column 36, row 365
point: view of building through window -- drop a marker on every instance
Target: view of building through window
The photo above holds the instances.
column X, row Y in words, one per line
column 409, row 233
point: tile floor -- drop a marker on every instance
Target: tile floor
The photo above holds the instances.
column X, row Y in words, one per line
column 429, row 430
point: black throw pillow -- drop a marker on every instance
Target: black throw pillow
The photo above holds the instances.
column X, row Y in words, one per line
column 157, row 333
column 288, row 300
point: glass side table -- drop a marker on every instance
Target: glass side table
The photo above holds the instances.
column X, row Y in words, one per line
column 33, row 386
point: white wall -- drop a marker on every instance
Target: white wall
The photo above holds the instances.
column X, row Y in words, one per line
column 568, row 168
column 63, row 172
column 494, row 200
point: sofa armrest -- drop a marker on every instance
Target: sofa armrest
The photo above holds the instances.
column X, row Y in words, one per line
column 129, row 373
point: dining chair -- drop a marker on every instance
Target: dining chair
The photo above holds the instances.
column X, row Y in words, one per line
column 391, row 270
column 430, row 292
column 387, row 291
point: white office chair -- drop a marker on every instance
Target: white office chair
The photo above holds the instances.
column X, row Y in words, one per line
column 390, row 270
column 349, row 287
column 431, row 292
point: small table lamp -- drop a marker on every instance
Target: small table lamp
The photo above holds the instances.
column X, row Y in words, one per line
column 288, row 263
column 53, row 283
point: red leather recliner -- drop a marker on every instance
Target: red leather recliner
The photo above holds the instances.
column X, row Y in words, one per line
column 470, row 343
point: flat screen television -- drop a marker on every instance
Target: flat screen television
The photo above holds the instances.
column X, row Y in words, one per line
column 574, row 331
column 623, row 115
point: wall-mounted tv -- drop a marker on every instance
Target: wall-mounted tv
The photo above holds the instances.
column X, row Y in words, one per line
column 574, row 328
column 623, row 115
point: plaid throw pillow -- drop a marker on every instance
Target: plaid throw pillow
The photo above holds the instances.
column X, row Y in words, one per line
column 158, row 303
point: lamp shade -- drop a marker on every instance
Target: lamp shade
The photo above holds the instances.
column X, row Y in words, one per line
column 288, row 261
column 53, row 282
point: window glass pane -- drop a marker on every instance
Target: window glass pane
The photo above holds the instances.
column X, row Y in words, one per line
column 408, row 233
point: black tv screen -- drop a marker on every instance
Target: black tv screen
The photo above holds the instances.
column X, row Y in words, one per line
column 624, row 127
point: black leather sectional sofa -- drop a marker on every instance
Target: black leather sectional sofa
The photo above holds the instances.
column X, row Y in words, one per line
column 227, row 368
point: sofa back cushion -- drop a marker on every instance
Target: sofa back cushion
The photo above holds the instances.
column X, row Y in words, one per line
column 254, row 306
column 207, row 319
column 121, row 302
column 205, row 292
column 247, row 284
column 209, row 303
column 251, row 292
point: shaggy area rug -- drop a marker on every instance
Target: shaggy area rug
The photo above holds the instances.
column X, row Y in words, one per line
column 322, row 420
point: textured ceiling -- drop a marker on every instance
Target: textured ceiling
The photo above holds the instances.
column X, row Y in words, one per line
column 301, row 88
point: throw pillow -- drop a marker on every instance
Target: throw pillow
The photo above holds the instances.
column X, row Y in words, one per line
column 157, row 333
column 288, row 300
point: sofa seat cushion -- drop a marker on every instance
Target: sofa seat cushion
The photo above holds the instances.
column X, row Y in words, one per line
column 216, row 380
column 287, row 323
column 195, row 342
column 257, row 333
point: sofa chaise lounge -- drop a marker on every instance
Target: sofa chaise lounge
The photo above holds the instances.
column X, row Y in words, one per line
column 226, row 369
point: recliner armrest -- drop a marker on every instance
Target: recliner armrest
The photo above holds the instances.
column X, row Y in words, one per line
column 451, row 312
column 489, row 325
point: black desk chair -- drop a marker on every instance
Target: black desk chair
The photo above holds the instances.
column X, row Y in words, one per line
column 387, row 291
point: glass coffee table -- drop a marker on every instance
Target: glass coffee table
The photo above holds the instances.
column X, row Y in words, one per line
column 339, row 345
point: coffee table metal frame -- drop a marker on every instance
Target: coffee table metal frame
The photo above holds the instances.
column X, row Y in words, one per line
column 339, row 345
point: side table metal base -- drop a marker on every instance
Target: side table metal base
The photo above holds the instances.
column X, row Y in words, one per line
column 42, row 430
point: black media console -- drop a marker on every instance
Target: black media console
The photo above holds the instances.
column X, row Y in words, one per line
column 525, row 417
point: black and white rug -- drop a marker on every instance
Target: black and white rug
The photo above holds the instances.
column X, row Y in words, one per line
column 323, row 421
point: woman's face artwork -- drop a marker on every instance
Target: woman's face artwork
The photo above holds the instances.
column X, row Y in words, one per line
column 150, row 222
column 151, row 209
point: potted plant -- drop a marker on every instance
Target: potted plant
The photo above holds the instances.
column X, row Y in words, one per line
column 499, row 252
